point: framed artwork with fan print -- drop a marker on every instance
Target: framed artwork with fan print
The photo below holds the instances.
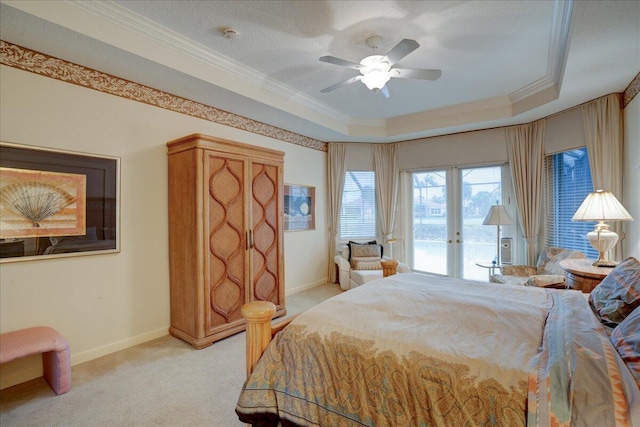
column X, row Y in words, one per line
column 56, row 203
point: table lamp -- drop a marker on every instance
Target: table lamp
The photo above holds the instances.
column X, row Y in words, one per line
column 602, row 206
column 498, row 216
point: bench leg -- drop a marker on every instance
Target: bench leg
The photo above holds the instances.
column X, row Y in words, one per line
column 56, row 366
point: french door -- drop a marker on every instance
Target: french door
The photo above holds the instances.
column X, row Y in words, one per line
column 449, row 206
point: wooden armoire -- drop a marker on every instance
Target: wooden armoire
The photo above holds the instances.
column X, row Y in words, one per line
column 225, row 234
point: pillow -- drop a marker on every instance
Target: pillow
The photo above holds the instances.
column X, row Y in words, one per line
column 366, row 263
column 355, row 249
column 626, row 340
column 618, row 294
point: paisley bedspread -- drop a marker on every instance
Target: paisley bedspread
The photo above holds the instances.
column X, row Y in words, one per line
column 413, row 350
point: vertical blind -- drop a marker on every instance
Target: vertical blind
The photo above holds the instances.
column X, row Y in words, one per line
column 358, row 213
column 567, row 184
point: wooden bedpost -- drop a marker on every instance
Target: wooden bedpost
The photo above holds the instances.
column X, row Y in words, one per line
column 258, row 316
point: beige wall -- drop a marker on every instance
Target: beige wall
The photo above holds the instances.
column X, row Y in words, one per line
column 563, row 131
column 105, row 303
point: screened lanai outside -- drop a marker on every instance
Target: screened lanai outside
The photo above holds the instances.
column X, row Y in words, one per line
column 449, row 207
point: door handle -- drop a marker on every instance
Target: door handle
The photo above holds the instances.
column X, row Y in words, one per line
column 250, row 239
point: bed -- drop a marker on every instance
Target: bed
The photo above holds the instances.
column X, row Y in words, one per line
column 414, row 350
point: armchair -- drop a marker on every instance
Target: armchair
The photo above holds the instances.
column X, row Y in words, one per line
column 546, row 273
column 350, row 278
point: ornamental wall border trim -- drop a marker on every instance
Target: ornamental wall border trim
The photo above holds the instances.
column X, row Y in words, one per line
column 39, row 63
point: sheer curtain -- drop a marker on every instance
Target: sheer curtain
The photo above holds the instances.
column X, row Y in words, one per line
column 337, row 153
column 385, row 166
column 603, row 132
column 525, row 146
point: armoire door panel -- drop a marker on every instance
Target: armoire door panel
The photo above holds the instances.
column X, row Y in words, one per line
column 265, row 225
column 226, row 243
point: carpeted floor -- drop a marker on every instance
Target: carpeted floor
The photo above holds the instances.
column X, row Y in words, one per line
column 164, row 382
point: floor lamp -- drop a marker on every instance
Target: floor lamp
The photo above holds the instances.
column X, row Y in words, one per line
column 391, row 242
column 498, row 216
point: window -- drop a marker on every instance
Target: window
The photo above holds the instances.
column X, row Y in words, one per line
column 358, row 213
column 568, row 181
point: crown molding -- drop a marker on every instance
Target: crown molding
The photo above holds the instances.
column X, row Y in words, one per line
column 119, row 15
column 524, row 99
column 143, row 37
column 557, row 58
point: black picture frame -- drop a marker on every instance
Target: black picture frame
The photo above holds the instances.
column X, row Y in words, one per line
column 101, row 207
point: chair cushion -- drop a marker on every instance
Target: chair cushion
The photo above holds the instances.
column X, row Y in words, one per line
column 549, row 260
column 545, row 280
column 366, row 263
column 518, row 270
column 360, row 277
column 512, row 280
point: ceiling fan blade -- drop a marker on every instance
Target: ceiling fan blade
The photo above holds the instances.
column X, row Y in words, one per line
column 384, row 91
column 340, row 62
column 406, row 73
column 344, row 83
column 402, row 49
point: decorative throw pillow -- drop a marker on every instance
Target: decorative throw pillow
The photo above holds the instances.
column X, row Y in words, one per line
column 366, row 263
column 626, row 340
column 618, row 294
column 371, row 248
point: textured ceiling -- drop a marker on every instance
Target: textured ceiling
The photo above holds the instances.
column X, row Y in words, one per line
column 502, row 62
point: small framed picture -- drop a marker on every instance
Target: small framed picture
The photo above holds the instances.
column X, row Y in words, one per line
column 299, row 207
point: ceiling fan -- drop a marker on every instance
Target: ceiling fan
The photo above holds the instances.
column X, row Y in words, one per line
column 376, row 70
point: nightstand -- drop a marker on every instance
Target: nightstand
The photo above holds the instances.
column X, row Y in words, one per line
column 581, row 275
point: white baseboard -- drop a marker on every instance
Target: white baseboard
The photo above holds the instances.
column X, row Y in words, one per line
column 306, row 286
column 34, row 370
column 13, row 378
column 94, row 353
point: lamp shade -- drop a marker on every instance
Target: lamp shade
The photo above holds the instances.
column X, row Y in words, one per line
column 498, row 215
column 375, row 72
column 601, row 206
column 376, row 79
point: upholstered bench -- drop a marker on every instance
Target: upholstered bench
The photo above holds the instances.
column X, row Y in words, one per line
column 56, row 358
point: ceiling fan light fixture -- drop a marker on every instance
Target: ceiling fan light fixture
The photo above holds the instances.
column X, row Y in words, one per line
column 376, row 69
column 375, row 79
column 375, row 72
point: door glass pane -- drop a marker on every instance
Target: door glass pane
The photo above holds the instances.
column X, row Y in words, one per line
column 481, row 188
column 430, row 222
